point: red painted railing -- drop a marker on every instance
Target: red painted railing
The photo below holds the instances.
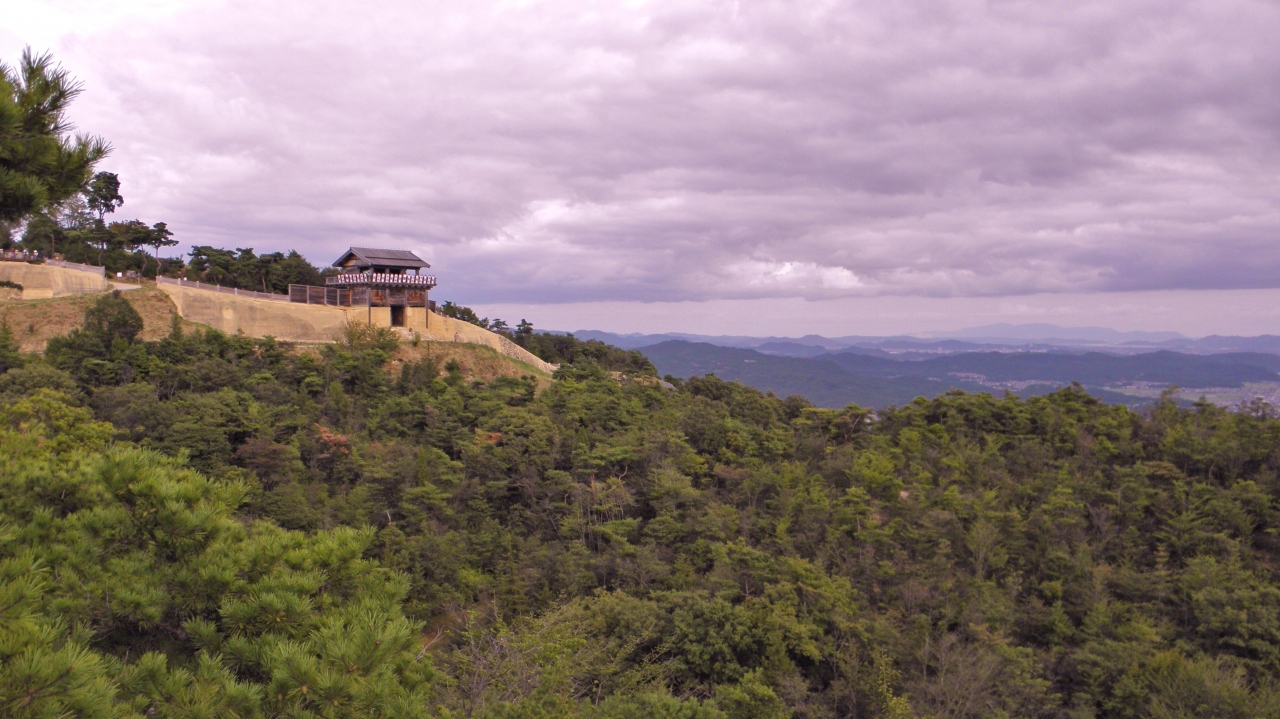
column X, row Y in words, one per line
column 377, row 278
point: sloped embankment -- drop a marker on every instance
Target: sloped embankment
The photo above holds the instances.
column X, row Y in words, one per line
column 33, row 322
column 475, row 362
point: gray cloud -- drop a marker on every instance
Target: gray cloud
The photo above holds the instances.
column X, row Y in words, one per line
column 578, row 151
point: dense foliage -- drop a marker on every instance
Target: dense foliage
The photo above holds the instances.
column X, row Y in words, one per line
column 269, row 272
column 117, row 246
column 219, row 526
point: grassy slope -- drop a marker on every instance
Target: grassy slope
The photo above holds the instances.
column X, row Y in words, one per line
column 478, row 362
column 34, row 321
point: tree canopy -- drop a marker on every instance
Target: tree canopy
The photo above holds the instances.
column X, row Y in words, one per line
column 270, row 272
column 103, row 193
column 220, row 526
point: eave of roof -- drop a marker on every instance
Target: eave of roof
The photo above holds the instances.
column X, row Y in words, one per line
column 382, row 257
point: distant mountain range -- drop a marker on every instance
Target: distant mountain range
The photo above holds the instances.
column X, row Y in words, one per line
column 821, row 381
column 1121, row 367
column 1004, row 331
column 997, row 337
column 874, row 377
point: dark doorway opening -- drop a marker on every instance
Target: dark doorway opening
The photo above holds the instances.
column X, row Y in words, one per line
column 397, row 315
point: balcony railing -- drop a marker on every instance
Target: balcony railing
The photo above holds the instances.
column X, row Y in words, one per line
column 378, row 278
column 374, row 296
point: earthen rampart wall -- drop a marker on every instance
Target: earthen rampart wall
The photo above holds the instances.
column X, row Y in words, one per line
column 42, row 282
column 299, row 322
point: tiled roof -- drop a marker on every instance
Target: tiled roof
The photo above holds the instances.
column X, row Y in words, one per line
column 382, row 257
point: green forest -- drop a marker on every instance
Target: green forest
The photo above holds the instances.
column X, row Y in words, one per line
column 217, row 526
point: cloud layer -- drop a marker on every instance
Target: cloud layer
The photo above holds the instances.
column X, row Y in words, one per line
column 576, row 150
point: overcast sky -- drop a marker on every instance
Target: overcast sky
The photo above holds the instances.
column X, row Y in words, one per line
column 738, row 167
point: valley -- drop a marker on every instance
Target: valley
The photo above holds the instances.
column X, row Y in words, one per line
column 833, row 379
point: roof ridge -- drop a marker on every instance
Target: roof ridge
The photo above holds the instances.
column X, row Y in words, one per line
column 384, row 255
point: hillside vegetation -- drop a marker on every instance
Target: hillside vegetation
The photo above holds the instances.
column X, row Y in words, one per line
column 213, row 526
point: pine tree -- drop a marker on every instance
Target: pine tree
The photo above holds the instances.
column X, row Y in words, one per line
column 10, row 353
column 40, row 163
column 253, row 620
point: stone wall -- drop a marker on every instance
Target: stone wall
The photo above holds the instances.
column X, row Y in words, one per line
column 42, row 282
column 321, row 323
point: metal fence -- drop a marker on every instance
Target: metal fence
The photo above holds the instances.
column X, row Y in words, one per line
column 359, row 296
column 311, row 295
column 77, row 266
column 331, row 296
column 19, row 255
column 224, row 290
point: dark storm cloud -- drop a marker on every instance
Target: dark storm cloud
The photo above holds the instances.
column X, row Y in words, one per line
column 567, row 151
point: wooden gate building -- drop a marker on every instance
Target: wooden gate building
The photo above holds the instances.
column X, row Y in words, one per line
column 388, row 283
